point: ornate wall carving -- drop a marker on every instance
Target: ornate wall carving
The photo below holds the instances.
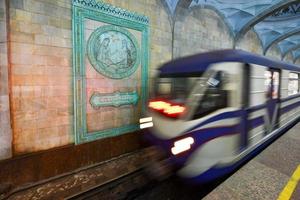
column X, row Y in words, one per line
column 113, row 51
column 110, row 62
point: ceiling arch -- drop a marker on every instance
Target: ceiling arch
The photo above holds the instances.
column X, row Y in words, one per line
column 290, row 44
column 172, row 4
column 240, row 15
column 276, row 22
column 296, row 55
column 268, row 9
column 282, row 37
column 271, row 32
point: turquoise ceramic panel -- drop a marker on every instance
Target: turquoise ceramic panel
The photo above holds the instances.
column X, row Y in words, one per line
column 114, row 52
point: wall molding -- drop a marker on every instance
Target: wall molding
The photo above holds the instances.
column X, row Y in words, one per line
column 112, row 10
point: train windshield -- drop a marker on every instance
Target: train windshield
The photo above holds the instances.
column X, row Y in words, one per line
column 175, row 89
column 203, row 94
column 170, row 95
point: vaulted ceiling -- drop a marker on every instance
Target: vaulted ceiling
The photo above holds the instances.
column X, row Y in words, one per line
column 276, row 22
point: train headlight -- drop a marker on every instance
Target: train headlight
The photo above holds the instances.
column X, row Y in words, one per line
column 182, row 145
column 166, row 108
column 146, row 122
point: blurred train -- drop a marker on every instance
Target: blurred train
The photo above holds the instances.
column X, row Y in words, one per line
column 212, row 111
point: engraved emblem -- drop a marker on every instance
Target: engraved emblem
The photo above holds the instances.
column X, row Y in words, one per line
column 113, row 51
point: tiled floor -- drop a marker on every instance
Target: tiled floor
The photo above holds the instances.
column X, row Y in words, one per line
column 265, row 176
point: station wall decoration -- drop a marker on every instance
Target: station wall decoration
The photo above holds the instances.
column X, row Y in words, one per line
column 110, row 69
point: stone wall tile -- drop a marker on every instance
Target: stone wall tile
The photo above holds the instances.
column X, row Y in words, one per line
column 2, row 4
column 42, row 39
column 4, row 103
column 34, row 6
column 22, row 48
column 26, row 27
column 250, row 42
column 17, row 4
column 3, row 79
column 17, row 36
column 23, row 16
column 274, row 52
column 5, row 129
column 289, row 58
column 3, row 36
column 4, row 117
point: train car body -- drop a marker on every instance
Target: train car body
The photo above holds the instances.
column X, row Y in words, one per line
column 212, row 111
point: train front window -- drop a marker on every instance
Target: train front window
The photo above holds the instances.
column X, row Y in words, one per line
column 214, row 97
column 175, row 89
column 171, row 94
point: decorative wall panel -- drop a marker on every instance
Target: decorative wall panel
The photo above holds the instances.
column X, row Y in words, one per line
column 110, row 62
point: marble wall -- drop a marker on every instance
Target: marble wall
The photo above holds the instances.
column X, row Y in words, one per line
column 41, row 73
column 199, row 31
column 5, row 125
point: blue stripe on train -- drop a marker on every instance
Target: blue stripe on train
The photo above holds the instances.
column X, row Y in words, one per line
column 255, row 108
column 290, row 98
column 258, row 121
column 216, row 172
column 253, row 123
column 200, row 137
column 290, row 107
column 226, row 115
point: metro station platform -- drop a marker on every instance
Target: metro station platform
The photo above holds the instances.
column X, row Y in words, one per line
column 273, row 174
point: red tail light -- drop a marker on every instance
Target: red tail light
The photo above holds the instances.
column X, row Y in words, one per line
column 166, row 108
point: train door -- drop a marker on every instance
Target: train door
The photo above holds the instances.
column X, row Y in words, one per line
column 272, row 83
column 245, row 104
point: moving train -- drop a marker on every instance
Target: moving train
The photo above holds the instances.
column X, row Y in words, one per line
column 211, row 112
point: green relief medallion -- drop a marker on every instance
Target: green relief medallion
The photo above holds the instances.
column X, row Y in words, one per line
column 113, row 51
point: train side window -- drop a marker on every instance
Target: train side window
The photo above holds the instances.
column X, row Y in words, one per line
column 268, row 81
column 293, row 84
column 214, row 98
column 275, row 91
column 272, row 82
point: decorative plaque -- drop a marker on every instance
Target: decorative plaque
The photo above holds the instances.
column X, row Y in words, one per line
column 110, row 65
